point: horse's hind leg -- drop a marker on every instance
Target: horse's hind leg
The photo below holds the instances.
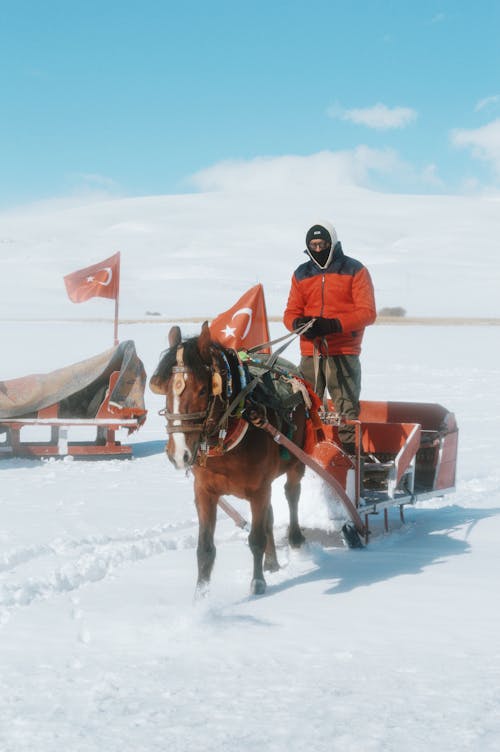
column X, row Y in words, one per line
column 206, row 506
column 292, row 493
column 270, row 558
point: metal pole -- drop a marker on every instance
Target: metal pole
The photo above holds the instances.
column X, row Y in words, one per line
column 238, row 520
column 310, row 462
column 115, row 334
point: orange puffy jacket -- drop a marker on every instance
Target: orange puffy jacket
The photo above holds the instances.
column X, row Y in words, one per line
column 341, row 290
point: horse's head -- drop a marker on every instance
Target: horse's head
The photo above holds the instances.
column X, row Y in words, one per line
column 189, row 377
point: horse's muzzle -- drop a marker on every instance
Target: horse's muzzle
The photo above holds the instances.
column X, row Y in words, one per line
column 179, row 455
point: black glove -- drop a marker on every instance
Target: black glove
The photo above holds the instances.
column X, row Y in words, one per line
column 322, row 327
column 297, row 323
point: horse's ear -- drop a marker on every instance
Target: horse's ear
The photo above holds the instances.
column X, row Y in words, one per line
column 174, row 336
column 204, row 342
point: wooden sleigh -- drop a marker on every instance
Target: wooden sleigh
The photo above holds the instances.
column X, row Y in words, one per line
column 94, row 398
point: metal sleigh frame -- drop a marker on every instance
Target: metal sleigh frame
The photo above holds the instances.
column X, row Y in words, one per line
column 405, row 452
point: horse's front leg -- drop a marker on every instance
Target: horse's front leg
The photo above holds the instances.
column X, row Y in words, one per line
column 292, row 493
column 206, row 505
column 257, row 539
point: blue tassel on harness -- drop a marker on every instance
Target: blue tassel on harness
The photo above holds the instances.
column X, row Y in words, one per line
column 229, row 381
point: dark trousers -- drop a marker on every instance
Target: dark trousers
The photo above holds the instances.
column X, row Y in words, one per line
column 341, row 375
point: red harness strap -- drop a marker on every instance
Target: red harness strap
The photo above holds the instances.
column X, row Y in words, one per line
column 237, row 429
column 314, row 426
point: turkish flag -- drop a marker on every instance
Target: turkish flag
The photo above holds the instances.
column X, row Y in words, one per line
column 96, row 281
column 245, row 324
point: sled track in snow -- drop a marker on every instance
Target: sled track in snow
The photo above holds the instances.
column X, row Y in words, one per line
column 94, row 558
column 12, row 559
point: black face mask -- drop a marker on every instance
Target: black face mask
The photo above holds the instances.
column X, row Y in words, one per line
column 321, row 257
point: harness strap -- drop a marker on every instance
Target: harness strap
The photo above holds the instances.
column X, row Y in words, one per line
column 239, row 397
column 266, row 366
column 221, row 426
column 179, row 428
column 231, row 440
column 317, row 357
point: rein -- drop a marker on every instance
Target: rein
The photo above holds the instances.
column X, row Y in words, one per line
column 289, row 336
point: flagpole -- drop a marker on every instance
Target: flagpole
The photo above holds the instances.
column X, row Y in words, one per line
column 117, row 303
column 267, row 350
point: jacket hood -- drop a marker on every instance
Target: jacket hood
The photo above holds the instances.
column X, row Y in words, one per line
column 335, row 245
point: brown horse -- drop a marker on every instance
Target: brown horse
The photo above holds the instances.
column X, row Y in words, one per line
column 207, row 391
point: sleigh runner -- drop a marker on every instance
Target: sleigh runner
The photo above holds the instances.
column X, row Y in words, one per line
column 96, row 397
column 405, row 452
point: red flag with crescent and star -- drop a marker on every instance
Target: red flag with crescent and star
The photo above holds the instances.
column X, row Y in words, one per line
column 245, row 324
column 96, row 281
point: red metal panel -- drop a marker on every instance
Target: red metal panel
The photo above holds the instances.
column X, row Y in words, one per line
column 385, row 437
column 409, row 450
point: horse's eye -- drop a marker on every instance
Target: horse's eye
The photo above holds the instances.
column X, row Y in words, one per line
column 203, row 391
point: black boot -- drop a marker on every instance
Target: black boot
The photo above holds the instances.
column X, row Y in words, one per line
column 350, row 536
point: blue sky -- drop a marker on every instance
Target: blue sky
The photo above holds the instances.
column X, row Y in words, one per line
column 132, row 98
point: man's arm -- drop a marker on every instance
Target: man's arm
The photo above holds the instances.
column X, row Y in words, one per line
column 294, row 307
column 364, row 311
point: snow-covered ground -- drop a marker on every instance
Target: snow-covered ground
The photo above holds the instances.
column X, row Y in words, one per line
column 393, row 647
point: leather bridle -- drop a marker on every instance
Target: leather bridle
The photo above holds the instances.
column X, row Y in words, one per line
column 197, row 422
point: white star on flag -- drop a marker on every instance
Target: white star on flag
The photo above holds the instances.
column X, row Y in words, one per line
column 229, row 331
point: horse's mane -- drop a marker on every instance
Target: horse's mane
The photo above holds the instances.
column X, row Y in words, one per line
column 191, row 358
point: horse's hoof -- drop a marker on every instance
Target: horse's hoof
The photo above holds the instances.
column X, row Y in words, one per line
column 258, row 587
column 296, row 539
column 202, row 590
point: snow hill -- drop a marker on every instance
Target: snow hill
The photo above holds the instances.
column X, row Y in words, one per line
column 194, row 254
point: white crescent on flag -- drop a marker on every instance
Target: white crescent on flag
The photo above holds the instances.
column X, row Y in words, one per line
column 249, row 313
column 100, row 280
column 107, row 281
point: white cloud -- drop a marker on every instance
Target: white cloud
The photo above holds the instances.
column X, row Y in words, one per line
column 379, row 116
column 315, row 178
column 487, row 102
column 314, row 173
column 484, row 142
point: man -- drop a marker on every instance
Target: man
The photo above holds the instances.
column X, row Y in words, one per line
column 337, row 292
